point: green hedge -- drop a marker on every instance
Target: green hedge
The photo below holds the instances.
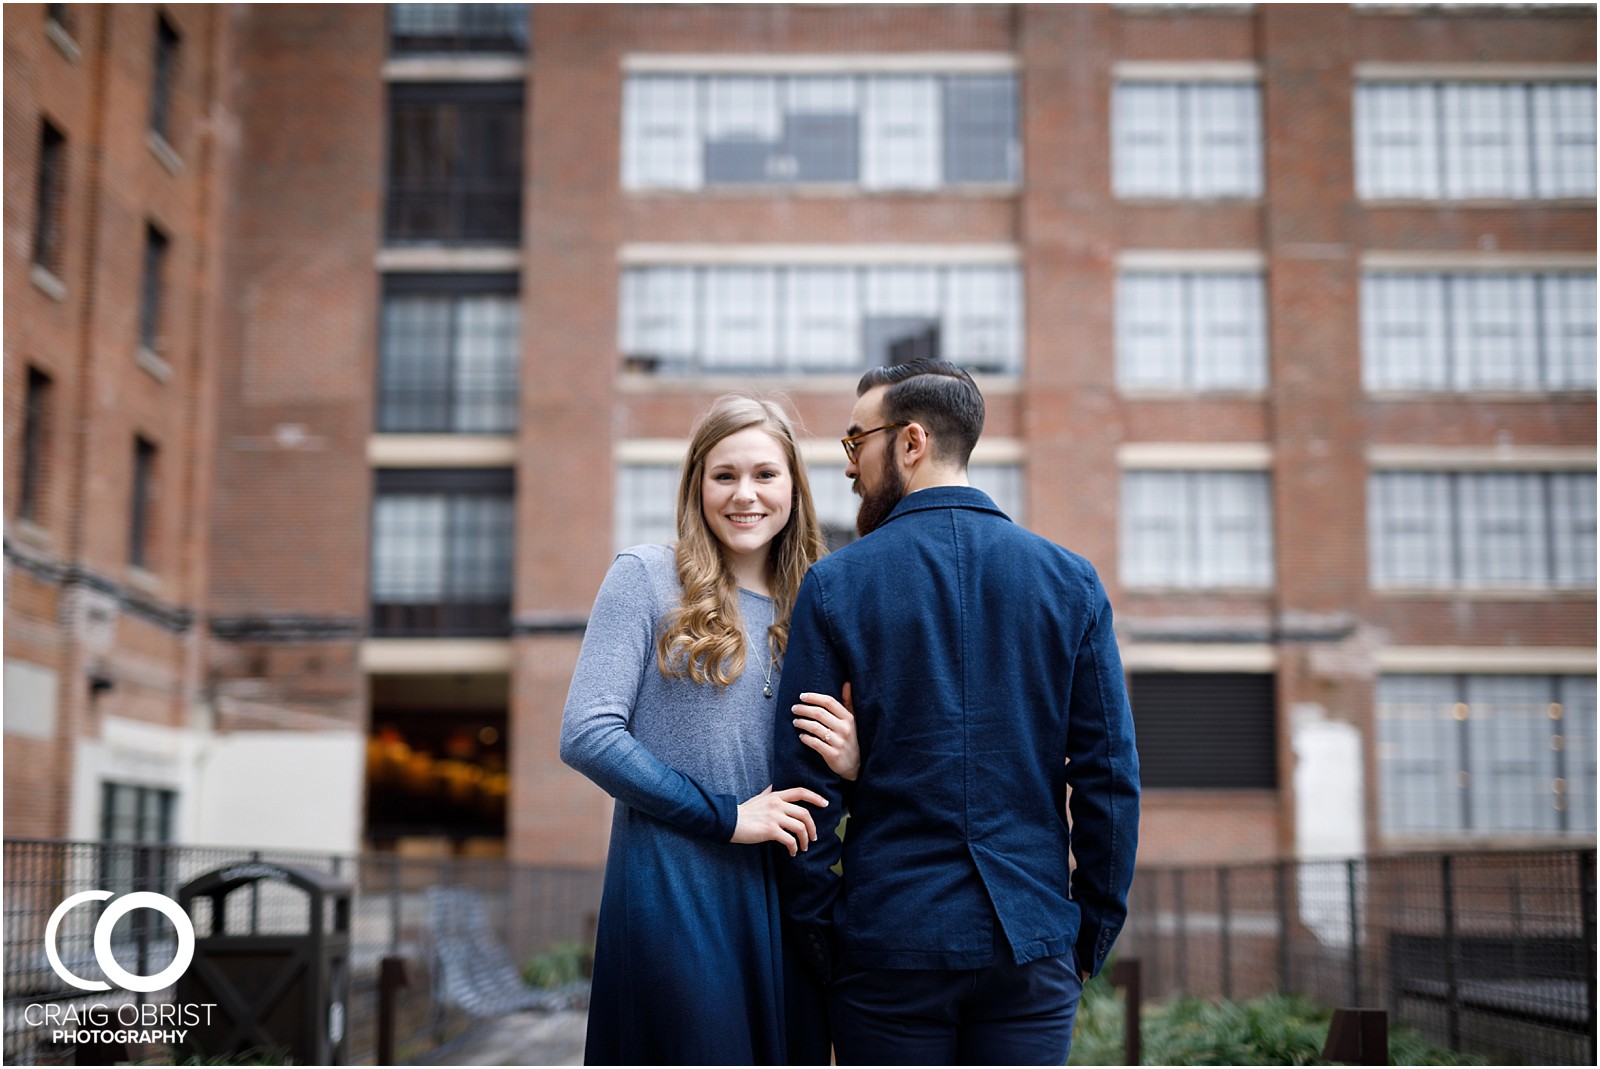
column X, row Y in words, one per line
column 1272, row 1030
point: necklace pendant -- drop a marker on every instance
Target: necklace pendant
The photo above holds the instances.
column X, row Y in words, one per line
column 766, row 691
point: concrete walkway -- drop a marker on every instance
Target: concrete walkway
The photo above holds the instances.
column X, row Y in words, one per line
column 525, row 1039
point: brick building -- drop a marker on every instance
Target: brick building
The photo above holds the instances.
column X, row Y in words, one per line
column 1285, row 316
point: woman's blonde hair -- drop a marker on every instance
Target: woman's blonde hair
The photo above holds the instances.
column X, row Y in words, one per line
column 703, row 637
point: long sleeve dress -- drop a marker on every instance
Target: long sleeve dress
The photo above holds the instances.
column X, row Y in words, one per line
column 689, row 962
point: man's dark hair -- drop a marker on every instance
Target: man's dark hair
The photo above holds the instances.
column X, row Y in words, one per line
column 937, row 394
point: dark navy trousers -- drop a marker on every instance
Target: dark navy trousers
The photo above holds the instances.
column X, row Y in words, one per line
column 1002, row 1014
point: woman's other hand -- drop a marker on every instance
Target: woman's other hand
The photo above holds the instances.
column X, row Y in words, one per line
column 780, row 818
column 828, row 726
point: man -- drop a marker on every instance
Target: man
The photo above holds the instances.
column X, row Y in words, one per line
column 985, row 680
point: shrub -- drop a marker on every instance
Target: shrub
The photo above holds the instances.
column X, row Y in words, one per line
column 1271, row 1030
column 560, row 964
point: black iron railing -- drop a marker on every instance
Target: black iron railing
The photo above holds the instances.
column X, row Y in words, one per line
column 1489, row 953
column 528, row 908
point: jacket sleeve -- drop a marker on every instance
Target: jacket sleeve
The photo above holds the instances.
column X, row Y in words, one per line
column 1103, row 771
column 806, row 881
column 618, row 649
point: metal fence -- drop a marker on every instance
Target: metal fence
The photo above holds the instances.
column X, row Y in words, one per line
column 1487, row 953
column 529, row 909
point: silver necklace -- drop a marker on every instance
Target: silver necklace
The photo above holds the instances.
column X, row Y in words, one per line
column 766, row 689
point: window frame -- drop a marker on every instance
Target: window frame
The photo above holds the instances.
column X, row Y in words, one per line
column 685, row 153
column 481, row 207
column 1194, row 165
column 164, row 77
column 449, row 615
column 37, row 415
column 453, row 287
column 1197, row 550
column 1463, row 749
column 153, row 287
column 1198, row 370
column 142, row 491
column 895, row 303
column 1446, row 366
column 462, row 42
column 1446, row 527
column 1430, row 171
column 50, row 197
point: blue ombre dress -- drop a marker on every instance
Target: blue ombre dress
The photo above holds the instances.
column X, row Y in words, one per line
column 689, row 962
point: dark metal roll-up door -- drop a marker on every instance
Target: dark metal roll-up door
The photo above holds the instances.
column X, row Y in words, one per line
column 1205, row 730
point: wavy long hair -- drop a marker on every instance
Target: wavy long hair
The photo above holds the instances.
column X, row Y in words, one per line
column 703, row 638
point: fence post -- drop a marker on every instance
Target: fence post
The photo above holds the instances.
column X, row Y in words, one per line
column 1126, row 975
column 1179, row 950
column 1281, row 891
column 1452, row 992
column 1358, row 1037
column 1355, row 933
column 391, row 978
column 394, row 904
column 1227, row 957
column 1586, row 863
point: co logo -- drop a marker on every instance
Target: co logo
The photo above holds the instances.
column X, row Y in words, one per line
column 102, row 941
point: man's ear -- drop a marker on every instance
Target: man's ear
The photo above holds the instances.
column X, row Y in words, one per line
column 915, row 444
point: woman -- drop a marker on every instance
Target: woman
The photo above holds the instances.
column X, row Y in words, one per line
column 671, row 712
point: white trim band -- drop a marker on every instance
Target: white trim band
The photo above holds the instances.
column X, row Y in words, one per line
column 1195, row 456
column 814, row 451
column 647, row 254
column 446, row 260
column 1480, row 458
column 506, row 68
column 1200, row 657
column 1486, row 660
column 442, row 450
column 777, row 63
column 1191, row 260
column 1157, row 71
column 1476, row 261
column 1473, row 72
column 420, row 656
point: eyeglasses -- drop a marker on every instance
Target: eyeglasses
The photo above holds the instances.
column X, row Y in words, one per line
column 852, row 444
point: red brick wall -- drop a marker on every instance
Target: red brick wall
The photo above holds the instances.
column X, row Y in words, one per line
column 99, row 98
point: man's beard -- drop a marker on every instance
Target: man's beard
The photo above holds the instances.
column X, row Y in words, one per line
column 876, row 506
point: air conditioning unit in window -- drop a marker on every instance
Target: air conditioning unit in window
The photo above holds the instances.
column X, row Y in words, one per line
column 643, row 363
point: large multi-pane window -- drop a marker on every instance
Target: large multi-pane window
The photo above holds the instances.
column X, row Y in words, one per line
column 1186, row 139
column 1486, row 754
column 876, row 131
column 448, row 356
column 795, row 320
column 1478, row 331
column 442, row 552
column 647, row 499
column 50, row 198
column 422, row 29
column 1462, row 140
column 1196, row 529
column 1184, row 330
column 1475, row 530
column 455, row 163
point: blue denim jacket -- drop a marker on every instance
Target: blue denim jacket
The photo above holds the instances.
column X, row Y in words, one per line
column 986, row 679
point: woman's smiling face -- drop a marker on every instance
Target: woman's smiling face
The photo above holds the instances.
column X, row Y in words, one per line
column 747, row 493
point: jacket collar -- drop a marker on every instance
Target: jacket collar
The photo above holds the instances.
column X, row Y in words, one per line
column 944, row 497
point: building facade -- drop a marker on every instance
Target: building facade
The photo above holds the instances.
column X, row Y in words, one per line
column 1285, row 316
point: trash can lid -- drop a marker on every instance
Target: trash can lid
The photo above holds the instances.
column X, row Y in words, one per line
column 226, row 879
